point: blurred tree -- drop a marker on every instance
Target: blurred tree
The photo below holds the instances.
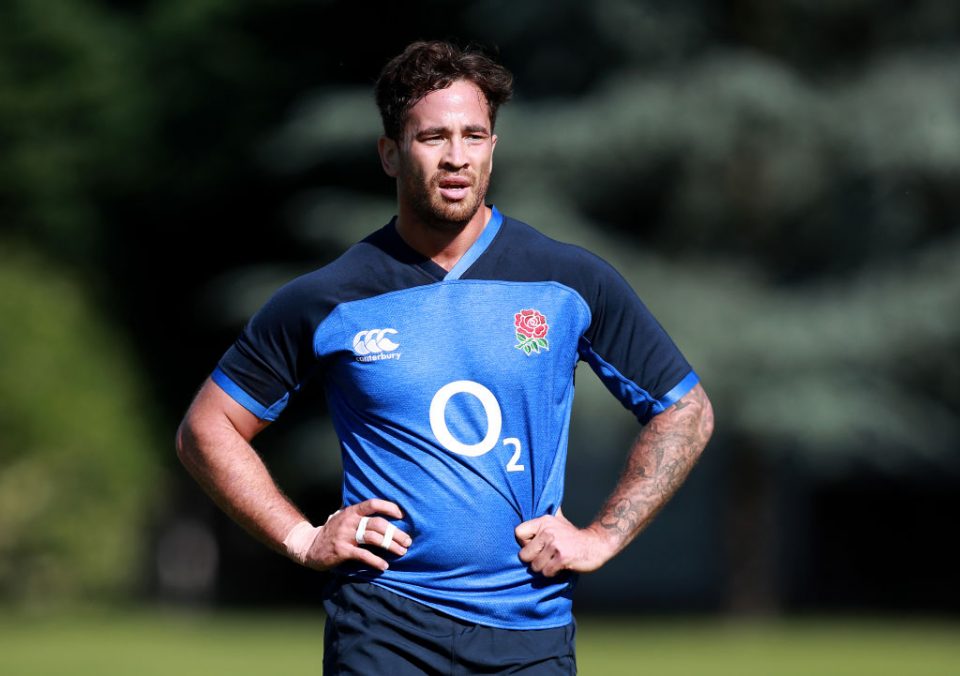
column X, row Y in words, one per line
column 78, row 463
column 872, row 285
column 796, row 229
column 777, row 179
column 78, row 460
column 75, row 119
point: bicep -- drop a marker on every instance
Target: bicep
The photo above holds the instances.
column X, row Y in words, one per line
column 213, row 410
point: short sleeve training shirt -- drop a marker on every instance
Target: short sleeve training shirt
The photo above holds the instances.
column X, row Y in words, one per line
column 451, row 394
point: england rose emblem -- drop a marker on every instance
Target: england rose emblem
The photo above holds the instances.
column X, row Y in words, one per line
column 531, row 327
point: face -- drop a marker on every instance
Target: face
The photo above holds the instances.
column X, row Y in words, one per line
column 443, row 161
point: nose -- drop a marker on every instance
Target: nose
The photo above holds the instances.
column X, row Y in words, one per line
column 455, row 156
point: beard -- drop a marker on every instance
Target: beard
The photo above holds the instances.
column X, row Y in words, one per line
column 439, row 213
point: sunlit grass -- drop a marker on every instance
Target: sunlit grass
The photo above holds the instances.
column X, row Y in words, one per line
column 148, row 643
column 145, row 644
column 775, row 648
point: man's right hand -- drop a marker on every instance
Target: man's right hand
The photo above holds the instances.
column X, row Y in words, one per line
column 336, row 542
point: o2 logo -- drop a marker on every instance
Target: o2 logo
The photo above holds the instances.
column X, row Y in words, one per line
column 494, row 414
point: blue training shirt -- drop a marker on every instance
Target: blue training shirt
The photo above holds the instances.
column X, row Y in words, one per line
column 451, row 394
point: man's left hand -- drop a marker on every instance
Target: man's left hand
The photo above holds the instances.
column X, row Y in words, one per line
column 551, row 544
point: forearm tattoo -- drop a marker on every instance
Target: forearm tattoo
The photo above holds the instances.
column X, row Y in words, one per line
column 660, row 459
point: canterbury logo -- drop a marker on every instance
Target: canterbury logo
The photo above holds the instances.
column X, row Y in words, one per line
column 374, row 341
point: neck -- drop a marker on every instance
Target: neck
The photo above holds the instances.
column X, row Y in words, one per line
column 443, row 244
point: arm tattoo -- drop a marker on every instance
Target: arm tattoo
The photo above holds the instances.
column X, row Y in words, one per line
column 621, row 518
column 659, row 461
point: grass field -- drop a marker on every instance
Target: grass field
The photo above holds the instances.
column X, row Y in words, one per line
column 154, row 643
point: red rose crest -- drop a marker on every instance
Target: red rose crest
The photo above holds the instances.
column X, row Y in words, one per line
column 532, row 330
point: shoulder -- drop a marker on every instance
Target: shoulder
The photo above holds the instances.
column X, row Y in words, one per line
column 365, row 269
column 520, row 234
column 526, row 253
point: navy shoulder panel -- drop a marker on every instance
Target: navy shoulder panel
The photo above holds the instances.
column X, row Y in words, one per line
column 275, row 355
column 623, row 343
column 521, row 253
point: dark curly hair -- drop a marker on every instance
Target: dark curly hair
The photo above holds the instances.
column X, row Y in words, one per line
column 424, row 67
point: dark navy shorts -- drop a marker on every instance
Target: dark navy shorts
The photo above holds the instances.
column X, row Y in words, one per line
column 371, row 631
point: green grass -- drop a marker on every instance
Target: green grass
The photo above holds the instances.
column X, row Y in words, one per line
column 776, row 648
column 149, row 643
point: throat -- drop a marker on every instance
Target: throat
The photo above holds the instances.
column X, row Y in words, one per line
column 448, row 259
column 445, row 246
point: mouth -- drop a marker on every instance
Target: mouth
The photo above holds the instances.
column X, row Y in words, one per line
column 454, row 188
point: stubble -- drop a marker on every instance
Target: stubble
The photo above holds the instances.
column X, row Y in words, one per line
column 436, row 212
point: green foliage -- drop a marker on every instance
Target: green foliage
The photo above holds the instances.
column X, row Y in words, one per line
column 73, row 114
column 779, row 227
column 778, row 181
column 78, row 465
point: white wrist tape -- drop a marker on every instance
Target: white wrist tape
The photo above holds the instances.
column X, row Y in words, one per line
column 300, row 539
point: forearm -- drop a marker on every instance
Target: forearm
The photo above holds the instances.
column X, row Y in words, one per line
column 659, row 461
column 213, row 443
column 231, row 472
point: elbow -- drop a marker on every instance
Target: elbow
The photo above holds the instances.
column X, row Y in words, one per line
column 700, row 423
column 183, row 442
column 706, row 421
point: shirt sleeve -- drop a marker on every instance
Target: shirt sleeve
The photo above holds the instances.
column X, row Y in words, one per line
column 273, row 356
column 629, row 350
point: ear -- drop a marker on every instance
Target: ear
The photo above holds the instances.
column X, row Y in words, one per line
column 389, row 156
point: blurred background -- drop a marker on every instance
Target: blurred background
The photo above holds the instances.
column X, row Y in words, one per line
column 780, row 181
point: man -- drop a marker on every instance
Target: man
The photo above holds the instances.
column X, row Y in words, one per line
column 447, row 342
